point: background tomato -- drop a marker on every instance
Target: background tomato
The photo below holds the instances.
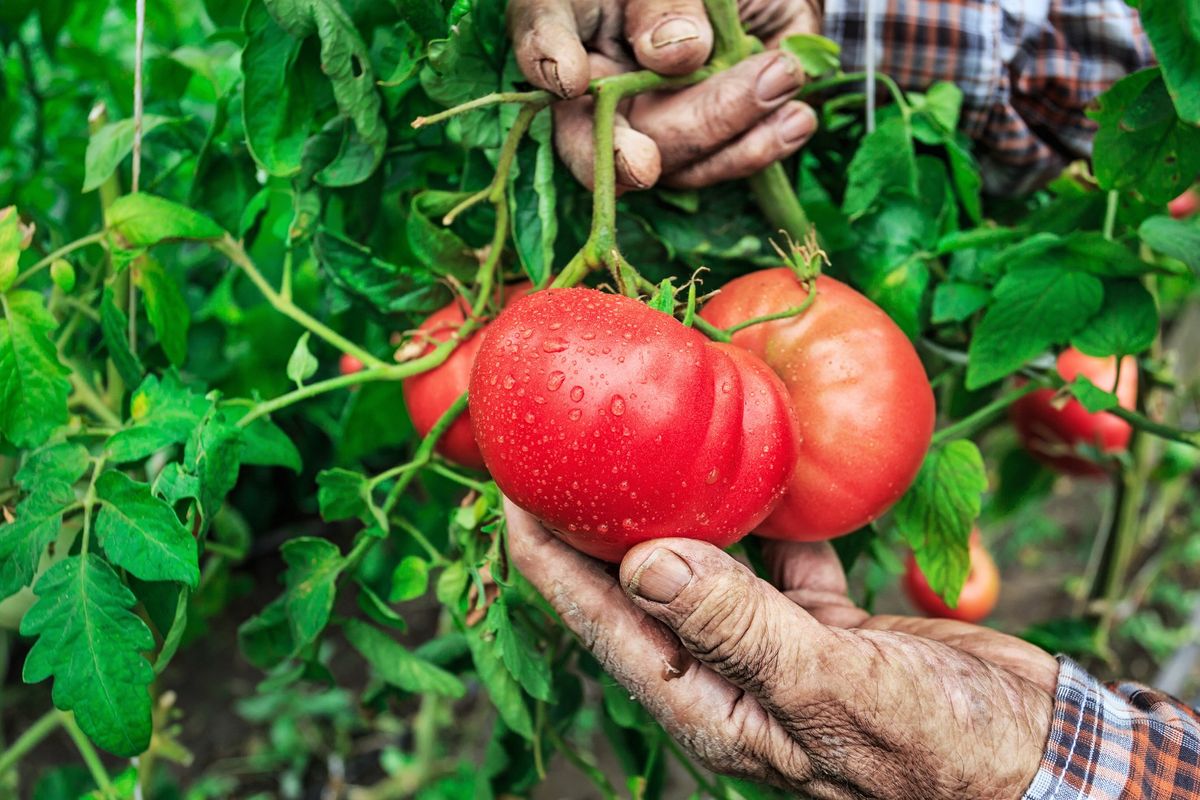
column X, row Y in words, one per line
column 1186, row 205
column 1053, row 431
column 614, row 423
column 348, row 364
column 428, row 394
column 860, row 394
column 979, row 592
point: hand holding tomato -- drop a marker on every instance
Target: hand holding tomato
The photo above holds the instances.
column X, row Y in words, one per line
column 1053, row 431
column 796, row 686
column 979, row 592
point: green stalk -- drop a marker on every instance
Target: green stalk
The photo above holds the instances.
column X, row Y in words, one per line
column 65, row 250
column 775, row 196
column 982, row 416
column 30, row 739
column 88, row 753
column 110, row 190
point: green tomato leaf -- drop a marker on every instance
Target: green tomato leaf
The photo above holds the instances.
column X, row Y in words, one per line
column 884, row 163
column 410, row 579
column 519, row 651
column 817, row 55
column 166, row 308
column 1092, row 397
column 436, row 246
column 1141, row 143
column 277, row 95
column 213, row 454
column 1174, row 31
column 937, row 513
column 1031, row 309
column 266, row 638
column 342, row 494
column 90, row 642
column 502, row 688
column 109, row 146
column 385, row 287
column 376, row 608
column 264, row 444
column 33, row 382
column 465, row 66
column 10, row 246
column 302, row 364
column 114, row 326
column 162, row 412
column 891, row 262
column 62, row 462
column 954, row 301
column 141, row 534
column 1177, row 238
column 1126, row 323
column 533, row 198
column 399, row 666
column 143, row 220
column 35, row 525
column 313, row 567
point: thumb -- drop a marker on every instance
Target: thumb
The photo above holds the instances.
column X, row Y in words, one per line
column 738, row 625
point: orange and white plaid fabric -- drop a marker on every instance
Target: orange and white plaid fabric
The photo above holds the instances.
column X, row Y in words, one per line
column 1117, row 742
column 1028, row 69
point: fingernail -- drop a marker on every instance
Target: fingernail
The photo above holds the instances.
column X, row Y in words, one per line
column 674, row 31
column 798, row 125
column 778, row 79
column 661, row 577
column 549, row 69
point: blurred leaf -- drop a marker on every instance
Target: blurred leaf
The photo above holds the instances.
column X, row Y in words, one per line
column 1073, row 637
column 519, row 650
column 313, row 568
column 110, row 145
column 384, row 286
column 342, row 494
column 399, row 666
column 410, row 579
column 1174, row 31
column 10, row 246
column 1126, row 323
column 36, row 523
column 1092, row 397
column 264, row 444
column 1031, row 309
column 502, row 688
column 33, row 382
column 141, row 534
column 266, row 638
column 1177, row 238
column 144, row 220
column 275, row 111
column 84, row 609
column 883, row 163
column 165, row 307
column 954, row 301
column 533, row 198
column 162, row 412
column 817, row 55
column 891, row 264
column 213, row 454
column 1141, row 143
column 302, row 364
column 62, row 462
column 937, row 513
column 436, row 246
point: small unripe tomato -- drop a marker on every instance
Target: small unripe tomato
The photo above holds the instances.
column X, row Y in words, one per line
column 1186, row 205
column 979, row 592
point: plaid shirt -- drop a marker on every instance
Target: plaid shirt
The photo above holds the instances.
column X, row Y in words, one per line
column 1119, row 741
column 1027, row 69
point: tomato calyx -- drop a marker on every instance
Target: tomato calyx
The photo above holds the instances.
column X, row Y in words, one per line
column 805, row 258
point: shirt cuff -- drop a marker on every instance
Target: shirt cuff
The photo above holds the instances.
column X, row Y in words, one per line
column 1088, row 750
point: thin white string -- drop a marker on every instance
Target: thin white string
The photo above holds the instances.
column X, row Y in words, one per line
column 870, row 65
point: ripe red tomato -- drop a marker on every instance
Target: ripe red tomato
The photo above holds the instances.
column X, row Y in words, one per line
column 979, row 593
column 1052, row 432
column 864, row 405
column 348, row 364
column 614, row 423
column 427, row 395
column 1186, row 205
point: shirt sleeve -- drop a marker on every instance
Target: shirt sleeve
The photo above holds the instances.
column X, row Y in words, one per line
column 1028, row 70
column 1117, row 742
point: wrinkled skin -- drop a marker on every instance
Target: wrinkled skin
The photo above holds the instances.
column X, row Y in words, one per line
column 1053, row 431
column 979, row 592
column 732, row 125
column 615, row 423
column 427, row 395
column 862, row 399
column 794, row 685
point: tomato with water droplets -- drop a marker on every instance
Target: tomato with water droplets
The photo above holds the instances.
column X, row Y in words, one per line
column 427, row 395
column 1056, row 430
column 979, row 593
column 615, row 423
column 859, row 390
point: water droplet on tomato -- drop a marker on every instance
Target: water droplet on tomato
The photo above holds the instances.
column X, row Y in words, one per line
column 509, row 381
column 726, row 387
column 576, row 393
column 555, row 345
column 529, row 418
column 627, row 336
column 555, row 380
column 617, row 406
column 537, row 398
column 602, row 528
column 526, row 333
column 712, row 476
column 628, row 524
column 574, row 414
column 623, row 486
column 587, row 336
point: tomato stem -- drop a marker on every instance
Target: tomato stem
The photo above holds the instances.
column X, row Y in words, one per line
column 973, row 422
column 538, row 97
column 30, row 739
column 794, row 311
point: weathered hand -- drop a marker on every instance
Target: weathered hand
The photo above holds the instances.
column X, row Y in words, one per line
column 729, row 126
column 797, row 687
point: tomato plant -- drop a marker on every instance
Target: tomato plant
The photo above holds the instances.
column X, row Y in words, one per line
column 979, row 593
column 247, row 250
